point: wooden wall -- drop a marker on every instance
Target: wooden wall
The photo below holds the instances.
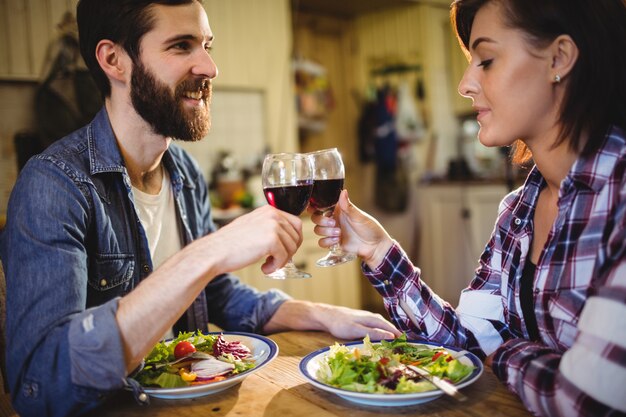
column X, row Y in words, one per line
column 26, row 27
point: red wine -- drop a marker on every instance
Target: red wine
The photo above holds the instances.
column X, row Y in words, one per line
column 290, row 198
column 325, row 193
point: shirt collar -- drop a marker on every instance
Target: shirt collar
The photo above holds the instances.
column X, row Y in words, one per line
column 593, row 171
column 104, row 153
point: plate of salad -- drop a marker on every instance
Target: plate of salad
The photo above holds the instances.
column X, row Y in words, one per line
column 376, row 373
column 197, row 364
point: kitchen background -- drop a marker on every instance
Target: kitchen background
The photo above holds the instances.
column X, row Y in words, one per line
column 375, row 78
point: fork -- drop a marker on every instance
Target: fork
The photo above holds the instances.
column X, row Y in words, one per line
column 442, row 384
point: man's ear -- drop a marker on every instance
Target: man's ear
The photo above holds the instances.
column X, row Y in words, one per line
column 113, row 60
column 564, row 55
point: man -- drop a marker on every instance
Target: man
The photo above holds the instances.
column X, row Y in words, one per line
column 109, row 242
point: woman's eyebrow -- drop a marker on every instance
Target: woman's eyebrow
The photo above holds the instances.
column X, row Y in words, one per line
column 480, row 40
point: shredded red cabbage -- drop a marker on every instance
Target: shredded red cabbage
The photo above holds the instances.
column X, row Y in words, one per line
column 236, row 349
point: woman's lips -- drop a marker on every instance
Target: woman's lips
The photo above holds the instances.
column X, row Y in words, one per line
column 481, row 112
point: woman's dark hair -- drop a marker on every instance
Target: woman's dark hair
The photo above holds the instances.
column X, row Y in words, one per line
column 595, row 97
column 121, row 21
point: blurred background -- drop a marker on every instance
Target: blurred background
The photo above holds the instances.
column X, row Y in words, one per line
column 375, row 78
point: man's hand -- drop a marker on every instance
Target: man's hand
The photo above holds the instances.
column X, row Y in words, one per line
column 342, row 322
column 347, row 323
column 264, row 233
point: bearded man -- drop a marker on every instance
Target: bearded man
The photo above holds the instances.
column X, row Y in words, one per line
column 109, row 243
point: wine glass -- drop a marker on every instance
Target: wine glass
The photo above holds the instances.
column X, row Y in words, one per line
column 287, row 185
column 327, row 185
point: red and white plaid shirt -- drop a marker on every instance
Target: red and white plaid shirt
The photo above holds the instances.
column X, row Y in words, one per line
column 579, row 365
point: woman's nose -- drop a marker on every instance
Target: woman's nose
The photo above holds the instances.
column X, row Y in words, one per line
column 468, row 86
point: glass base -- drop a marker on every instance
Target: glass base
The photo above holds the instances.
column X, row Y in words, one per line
column 288, row 271
column 335, row 257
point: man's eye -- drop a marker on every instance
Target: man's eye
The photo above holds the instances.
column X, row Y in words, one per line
column 486, row 63
column 181, row 45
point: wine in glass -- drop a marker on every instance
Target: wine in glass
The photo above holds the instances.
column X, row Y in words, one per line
column 287, row 185
column 328, row 183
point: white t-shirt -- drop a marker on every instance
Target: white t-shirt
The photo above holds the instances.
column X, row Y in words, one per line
column 157, row 213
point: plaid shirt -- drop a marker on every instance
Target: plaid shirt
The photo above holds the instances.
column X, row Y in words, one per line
column 579, row 365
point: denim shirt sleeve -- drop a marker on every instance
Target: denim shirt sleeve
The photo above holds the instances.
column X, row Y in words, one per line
column 226, row 302
column 55, row 363
column 94, row 339
column 236, row 306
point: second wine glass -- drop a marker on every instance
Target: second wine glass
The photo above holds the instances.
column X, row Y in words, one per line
column 287, row 185
column 329, row 175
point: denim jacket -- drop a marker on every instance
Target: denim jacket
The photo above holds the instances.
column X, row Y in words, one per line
column 72, row 246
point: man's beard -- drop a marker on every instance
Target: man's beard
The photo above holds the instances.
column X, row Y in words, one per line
column 164, row 111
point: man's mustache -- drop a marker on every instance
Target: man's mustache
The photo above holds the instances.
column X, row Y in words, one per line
column 203, row 85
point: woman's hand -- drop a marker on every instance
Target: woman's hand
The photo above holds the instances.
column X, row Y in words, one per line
column 357, row 231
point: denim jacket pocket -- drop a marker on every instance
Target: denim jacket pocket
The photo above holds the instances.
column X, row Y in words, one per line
column 110, row 275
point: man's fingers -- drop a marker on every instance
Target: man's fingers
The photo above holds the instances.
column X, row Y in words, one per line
column 378, row 334
column 379, row 322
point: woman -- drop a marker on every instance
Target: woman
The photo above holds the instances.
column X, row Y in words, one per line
column 547, row 305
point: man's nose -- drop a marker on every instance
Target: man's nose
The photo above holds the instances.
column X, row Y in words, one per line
column 205, row 66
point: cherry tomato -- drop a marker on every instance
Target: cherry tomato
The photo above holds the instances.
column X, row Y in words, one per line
column 183, row 349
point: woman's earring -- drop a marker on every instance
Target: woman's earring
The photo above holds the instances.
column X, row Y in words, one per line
column 557, row 78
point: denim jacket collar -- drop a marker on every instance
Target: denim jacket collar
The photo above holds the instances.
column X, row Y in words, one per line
column 105, row 155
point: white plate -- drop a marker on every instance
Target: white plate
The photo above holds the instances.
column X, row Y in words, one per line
column 311, row 363
column 263, row 350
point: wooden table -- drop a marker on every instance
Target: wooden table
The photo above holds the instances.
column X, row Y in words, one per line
column 280, row 390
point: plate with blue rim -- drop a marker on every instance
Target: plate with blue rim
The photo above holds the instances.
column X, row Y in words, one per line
column 263, row 350
column 310, row 364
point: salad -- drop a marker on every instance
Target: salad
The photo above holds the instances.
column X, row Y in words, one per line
column 193, row 359
column 381, row 368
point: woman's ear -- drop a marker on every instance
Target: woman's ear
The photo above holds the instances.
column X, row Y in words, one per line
column 564, row 55
column 113, row 60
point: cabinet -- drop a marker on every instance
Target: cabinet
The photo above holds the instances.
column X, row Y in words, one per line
column 339, row 285
column 456, row 221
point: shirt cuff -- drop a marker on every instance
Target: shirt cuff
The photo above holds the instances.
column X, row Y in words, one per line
column 391, row 273
column 265, row 309
column 512, row 357
column 96, row 352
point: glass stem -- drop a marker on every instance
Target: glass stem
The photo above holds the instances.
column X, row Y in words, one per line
column 336, row 249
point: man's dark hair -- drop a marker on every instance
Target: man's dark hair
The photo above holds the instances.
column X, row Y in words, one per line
column 596, row 91
column 121, row 21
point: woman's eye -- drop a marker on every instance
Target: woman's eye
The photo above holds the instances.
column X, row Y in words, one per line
column 486, row 63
